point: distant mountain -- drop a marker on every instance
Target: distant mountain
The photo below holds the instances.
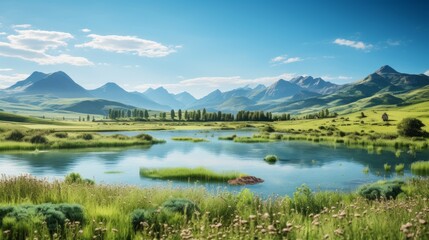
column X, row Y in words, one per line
column 281, row 89
column 185, row 98
column 163, row 97
column 235, row 104
column 113, row 92
column 55, row 84
column 317, row 85
column 378, row 88
column 94, row 106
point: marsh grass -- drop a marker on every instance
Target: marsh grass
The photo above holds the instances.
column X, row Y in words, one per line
column 44, row 140
column 113, row 172
column 229, row 138
column 399, row 168
column 365, row 170
column 189, row 139
column 420, row 168
column 387, row 167
column 305, row 215
column 251, row 140
column 189, row 174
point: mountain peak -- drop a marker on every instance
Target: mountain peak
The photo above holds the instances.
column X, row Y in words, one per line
column 386, row 69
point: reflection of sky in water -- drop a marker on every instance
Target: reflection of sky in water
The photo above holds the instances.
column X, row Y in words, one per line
column 321, row 167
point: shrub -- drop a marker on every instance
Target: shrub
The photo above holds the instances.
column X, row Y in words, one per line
column 387, row 167
column 137, row 218
column 268, row 128
column 15, row 135
column 75, row 178
column 411, row 127
column 38, row 139
column 144, row 136
column 86, row 136
column 54, row 219
column 61, row 135
column 304, row 201
column 72, row 212
column 381, row 189
column 271, row 158
column 180, row 205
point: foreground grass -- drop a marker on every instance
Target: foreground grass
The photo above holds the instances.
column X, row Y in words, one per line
column 188, row 174
column 305, row 215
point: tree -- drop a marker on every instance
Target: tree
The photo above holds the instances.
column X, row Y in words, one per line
column 87, row 118
column 385, row 117
column 179, row 113
column 172, row 114
column 146, row 114
column 411, row 127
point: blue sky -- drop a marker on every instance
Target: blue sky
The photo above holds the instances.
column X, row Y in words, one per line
column 199, row 46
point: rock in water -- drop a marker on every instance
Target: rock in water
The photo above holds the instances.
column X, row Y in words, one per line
column 245, row 180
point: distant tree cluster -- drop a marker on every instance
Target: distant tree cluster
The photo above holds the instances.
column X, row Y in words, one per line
column 124, row 113
column 204, row 116
column 324, row 113
column 282, row 117
column 254, row 116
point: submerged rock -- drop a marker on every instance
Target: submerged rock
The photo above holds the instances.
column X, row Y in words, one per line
column 245, row 180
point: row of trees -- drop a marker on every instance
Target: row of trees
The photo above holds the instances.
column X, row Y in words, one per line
column 123, row 113
column 324, row 113
column 205, row 116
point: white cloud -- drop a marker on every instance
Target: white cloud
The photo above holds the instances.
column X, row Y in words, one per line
column 201, row 86
column 292, row 60
column 278, row 59
column 21, row 26
column 86, row 30
column 39, row 39
column 2, row 33
column 128, row 44
column 7, row 80
column 282, row 59
column 354, row 44
column 37, row 46
column 6, row 69
column 427, row 73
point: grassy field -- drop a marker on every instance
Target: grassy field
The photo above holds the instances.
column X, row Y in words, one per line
column 126, row 212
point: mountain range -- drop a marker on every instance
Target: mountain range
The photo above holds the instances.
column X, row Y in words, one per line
column 57, row 91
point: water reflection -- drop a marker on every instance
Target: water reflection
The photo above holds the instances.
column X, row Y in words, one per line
column 320, row 166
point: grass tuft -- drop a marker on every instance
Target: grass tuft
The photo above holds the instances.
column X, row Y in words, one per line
column 188, row 174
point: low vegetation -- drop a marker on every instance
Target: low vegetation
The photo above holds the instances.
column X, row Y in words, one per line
column 271, row 158
column 420, row 168
column 189, row 139
column 188, row 174
column 127, row 212
column 399, row 168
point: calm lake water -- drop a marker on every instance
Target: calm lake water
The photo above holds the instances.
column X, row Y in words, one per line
column 320, row 166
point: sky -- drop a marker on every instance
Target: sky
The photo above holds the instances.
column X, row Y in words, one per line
column 199, row 46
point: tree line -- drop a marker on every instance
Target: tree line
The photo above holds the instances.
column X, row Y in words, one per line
column 205, row 116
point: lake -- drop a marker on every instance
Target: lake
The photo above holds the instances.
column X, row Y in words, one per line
column 320, row 166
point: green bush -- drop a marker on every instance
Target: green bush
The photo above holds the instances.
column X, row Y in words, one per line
column 268, row 128
column 271, row 159
column 381, row 189
column 54, row 215
column 38, row 139
column 86, row 136
column 180, row 205
column 144, row 136
column 411, row 127
column 15, row 135
column 61, row 135
column 75, row 178
column 137, row 218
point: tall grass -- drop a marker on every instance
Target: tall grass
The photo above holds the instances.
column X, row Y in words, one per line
column 305, row 215
column 188, row 174
column 420, row 168
column 399, row 168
